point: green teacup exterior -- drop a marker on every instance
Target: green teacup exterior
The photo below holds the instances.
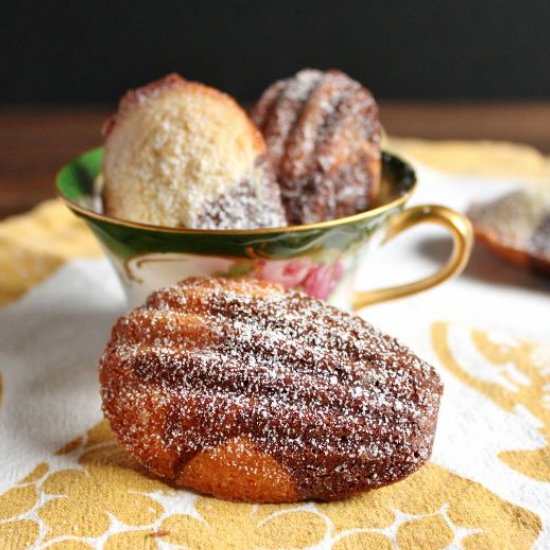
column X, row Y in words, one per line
column 320, row 259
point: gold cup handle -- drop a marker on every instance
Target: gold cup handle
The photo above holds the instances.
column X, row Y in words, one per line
column 462, row 233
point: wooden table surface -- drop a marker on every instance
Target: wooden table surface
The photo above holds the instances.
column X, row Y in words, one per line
column 36, row 141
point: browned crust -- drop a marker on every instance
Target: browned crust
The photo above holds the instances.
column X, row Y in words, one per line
column 173, row 81
column 132, row 98
column 511, row 254
column 328, row 161
column 237, row 471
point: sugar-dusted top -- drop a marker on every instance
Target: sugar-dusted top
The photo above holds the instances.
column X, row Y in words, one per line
column 323, row 137
column 341, row 406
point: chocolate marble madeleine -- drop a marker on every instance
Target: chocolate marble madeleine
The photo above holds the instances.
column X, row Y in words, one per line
column 323, row 137
column 242, row 390
column 517, row 227
column 181, row 154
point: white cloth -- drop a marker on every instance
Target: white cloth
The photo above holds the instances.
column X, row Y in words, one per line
column 51, row 339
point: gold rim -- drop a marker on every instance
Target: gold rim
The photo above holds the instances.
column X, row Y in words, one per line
column 461, row 232
column 270, row 230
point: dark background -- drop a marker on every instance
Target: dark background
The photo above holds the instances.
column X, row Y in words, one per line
column 59, row 52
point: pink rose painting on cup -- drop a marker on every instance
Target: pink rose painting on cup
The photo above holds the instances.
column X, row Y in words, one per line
column 317, row 280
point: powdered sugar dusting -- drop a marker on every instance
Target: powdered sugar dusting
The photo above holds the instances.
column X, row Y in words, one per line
column 279, row 122
column 339, row 405
column 253, row 203
column 323, row 135
column 520, row 220
column 540, row 240
column 175, row 149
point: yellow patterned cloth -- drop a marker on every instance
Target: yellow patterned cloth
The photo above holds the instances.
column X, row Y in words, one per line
column 65, row 484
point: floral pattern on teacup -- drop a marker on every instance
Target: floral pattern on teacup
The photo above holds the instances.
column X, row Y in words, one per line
column 316, row 276
column 317, row 280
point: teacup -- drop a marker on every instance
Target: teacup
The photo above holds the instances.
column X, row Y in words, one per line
column 320, row 259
